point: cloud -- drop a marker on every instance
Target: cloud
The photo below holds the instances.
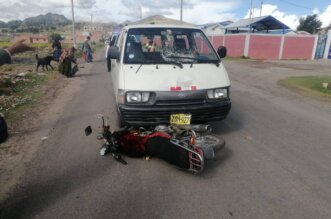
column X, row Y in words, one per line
column 195, row 11
column 290, row 20
column 325, row 16
column 207, row 11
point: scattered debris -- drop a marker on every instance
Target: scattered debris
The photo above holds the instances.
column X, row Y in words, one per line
column 44, row 138
column 22, row 74
column 326, row 85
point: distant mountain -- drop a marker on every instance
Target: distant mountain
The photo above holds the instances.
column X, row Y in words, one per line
column 48, row 19
column 10, row 24
column 3, row 24
column 159, row 19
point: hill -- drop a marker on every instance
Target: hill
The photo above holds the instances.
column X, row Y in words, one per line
column 48, row 19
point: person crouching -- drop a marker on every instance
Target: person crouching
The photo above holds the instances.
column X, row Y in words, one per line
column 66, row 59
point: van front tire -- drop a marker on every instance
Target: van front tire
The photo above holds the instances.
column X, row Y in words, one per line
column 119, row 121
column 108, row 64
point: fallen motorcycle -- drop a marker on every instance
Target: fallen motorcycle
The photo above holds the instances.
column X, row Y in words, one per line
column 185, row 146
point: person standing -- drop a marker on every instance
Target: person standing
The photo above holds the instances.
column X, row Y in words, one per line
column 57, row 49
column 88, row 49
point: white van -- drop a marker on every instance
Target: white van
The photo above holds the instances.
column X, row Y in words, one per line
column 160, row 70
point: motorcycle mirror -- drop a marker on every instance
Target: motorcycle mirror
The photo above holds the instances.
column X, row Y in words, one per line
column 88, row 130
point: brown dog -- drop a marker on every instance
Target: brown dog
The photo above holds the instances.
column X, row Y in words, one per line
column 44, row 62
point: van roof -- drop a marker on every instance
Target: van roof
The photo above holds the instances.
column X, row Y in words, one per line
column 159, row 26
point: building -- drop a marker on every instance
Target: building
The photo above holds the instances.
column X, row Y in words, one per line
column 30, row 38
column 263, row 24
column 215, row 28
column 39, row 39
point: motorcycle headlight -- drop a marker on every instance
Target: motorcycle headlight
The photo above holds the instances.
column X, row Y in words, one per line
column 218, row 93
column 137, row 97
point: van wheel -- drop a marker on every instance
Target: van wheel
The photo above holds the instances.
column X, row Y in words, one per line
column 109, row 64
column 120, row 122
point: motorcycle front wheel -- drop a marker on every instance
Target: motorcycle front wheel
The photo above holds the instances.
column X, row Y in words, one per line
column 209, row 145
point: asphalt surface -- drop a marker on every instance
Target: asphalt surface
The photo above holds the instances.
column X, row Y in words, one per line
column 276, row 163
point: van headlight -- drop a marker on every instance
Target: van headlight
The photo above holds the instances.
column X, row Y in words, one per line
column 218, row 93
column 137, row 97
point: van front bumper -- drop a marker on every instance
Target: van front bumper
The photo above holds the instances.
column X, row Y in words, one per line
column 153, row 115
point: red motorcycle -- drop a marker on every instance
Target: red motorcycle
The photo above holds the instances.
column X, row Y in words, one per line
column 185, row 146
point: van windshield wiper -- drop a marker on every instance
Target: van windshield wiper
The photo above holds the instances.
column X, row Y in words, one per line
column 216, row 62
column 179, row 64
column 184, row 57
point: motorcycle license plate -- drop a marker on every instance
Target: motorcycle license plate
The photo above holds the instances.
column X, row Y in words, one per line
column 180, row 119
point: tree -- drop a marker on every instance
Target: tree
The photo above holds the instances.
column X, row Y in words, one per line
column 55, row 36
column 310, row 24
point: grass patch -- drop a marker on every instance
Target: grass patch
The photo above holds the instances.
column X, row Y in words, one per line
column 6, row 44
column 40, row 44
column 311, row 84
column 20, row 94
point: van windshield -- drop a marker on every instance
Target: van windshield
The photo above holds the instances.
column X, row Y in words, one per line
column 168, row 45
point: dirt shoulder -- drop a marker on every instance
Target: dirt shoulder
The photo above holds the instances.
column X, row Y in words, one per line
column 33, row 125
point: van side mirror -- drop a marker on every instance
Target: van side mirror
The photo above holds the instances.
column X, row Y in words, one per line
column 221, row 51
column 113, row 52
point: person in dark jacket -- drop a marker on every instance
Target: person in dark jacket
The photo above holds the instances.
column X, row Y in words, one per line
column 57, row 49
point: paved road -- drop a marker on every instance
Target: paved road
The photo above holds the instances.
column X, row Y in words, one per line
column 277, row 162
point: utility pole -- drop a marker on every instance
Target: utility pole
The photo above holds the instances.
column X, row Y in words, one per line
column 261, row 8
column 141, row 12
column 250, row 16
column 91, row 19
column 73, row 23
column 181, row 11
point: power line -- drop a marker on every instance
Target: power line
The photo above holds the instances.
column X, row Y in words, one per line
column 300, row 6
column 296, row 5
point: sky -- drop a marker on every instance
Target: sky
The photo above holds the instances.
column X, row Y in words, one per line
column 194, row 11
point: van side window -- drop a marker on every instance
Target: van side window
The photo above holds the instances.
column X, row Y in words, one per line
column 203, row 47
column 120, row 41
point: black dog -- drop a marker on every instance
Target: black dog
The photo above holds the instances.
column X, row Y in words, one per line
column 44, row 62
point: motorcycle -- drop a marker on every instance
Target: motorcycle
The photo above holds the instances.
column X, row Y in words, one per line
column 185, row 146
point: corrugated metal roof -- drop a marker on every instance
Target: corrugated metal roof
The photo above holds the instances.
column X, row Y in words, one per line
column 259, row 23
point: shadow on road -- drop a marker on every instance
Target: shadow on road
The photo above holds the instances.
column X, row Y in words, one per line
column 85, row 75
column 27, row 201
column 211, row 165
column 233, row 123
